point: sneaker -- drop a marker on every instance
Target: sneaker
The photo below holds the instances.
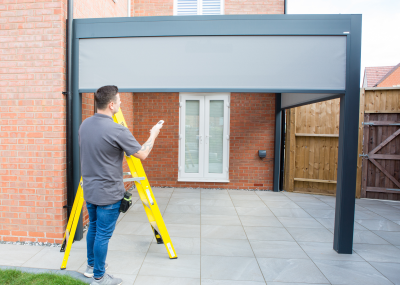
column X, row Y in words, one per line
column 89, row 270
column 107, row 279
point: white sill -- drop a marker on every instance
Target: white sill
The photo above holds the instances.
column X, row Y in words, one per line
column 203, row 180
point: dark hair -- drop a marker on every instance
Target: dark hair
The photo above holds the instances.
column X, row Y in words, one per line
column 104, row 95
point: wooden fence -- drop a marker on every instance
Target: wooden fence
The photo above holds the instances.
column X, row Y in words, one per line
column 380, row 129
column 311, row 146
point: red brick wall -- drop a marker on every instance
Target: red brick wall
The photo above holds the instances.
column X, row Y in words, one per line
column 152, row 8
column 32, row 118
column 32, row 140
column 87, row 111
column 100, row 8
column 165, row 7
column 252, row 125
column 254, row 7
column 392, row 80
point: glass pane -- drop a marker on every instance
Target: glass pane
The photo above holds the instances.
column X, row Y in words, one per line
column 192, row 136
column 215, row 159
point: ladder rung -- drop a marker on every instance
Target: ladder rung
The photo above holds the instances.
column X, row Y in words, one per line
column 134, row 179
column 145, row 203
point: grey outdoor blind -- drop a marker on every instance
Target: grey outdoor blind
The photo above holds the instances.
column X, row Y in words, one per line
column 214, row 62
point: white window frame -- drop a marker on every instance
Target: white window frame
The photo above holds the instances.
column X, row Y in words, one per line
column 203, row 175
column 199, row 8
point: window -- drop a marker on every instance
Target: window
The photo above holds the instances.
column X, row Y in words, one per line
column 198, row 7
column 204, row 137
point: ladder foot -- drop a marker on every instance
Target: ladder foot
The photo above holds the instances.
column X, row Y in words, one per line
column 62, row 249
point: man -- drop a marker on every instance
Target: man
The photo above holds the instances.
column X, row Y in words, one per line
column 102, row 146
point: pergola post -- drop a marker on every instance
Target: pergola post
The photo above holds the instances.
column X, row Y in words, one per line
column 348, row 143
column 76, row 122
column 278, row 138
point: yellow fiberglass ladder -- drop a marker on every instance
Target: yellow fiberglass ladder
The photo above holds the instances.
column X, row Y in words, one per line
column 146, row 196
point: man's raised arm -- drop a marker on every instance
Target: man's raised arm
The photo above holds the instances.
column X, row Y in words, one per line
column 144, row 152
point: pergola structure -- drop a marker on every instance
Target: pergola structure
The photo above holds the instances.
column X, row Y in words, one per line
column 303, row 59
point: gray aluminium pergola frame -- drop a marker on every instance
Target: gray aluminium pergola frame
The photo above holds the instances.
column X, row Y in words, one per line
column 254, row 25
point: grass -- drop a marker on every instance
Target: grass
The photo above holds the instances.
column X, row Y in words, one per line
column 16, row 277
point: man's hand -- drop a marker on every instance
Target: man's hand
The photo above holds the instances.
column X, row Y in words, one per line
column 155, row 131
column 148, row 145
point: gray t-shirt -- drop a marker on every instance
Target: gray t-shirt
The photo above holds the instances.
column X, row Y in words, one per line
column 102, row 145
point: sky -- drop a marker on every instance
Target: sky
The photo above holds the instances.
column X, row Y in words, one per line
column 380, row 25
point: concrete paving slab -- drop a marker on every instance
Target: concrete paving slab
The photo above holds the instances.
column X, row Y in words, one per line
column 378, row 252
column 300, row 223
column 389, row 270
column 218, row 220
column 291, row 213
column 256, row 221
column 16, row 255
column 182, row 245
column 226, row 247
column 156, row 280
column 268, row 233
column 188, row 219
column 325, row 251
column 351, row 272
column 216, row 203
column 291, row 270
column 51, row 258
column 230, row 268
column 227, row 232
column 230, row 282
column 278, row 249
column 391, row 237
column 263, row 211
column 226, row 239
column 185, row 266
column 315, row 235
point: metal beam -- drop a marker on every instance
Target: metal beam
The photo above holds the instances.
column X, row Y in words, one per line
column 278, row 139
column 348, row 144
column 76, row 122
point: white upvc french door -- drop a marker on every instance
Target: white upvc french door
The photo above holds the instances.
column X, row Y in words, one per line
column 204, row 137
column 192, row 137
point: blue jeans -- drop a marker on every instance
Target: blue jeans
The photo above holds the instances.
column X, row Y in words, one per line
column 102, row 220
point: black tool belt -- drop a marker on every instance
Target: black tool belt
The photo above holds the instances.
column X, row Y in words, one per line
column 126, row 202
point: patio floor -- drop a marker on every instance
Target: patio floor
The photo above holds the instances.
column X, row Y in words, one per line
column 233, row 237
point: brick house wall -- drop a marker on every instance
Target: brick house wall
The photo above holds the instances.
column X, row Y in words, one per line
column 392, row 80
column 166, row 7
column 33, row 118
column 100, row 8
column 32, row 77
column 252, row 126
column 141, row 8
column 254, row 7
